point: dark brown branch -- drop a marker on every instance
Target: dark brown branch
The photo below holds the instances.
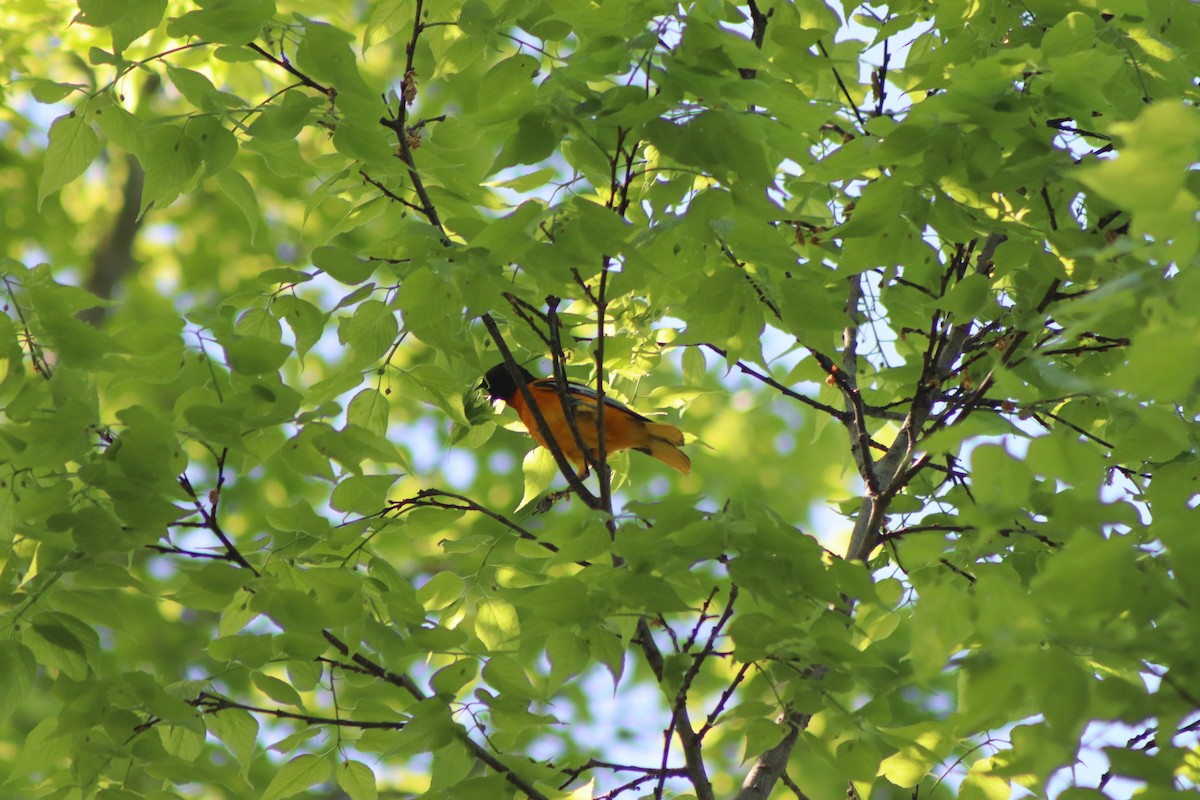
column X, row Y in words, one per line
column 879, row 79
column 1071, row 425
column 179, row 551
column 1049, row 209
column 371, row 668
column 398, row 125
column 407, row 683
column 842, row 85
column 709, row 646
column 282, row 62
column 722, row 701
column 528, row 313
column 758, row 32
column 211, row 704
column 558, row 362
column 1060, row 124
column 962, row 573
column 603, row 473
column 425, row 498
column 701, row 618
column 209, row 515
column 857, row 428
column 680, row 719
column 389, row 194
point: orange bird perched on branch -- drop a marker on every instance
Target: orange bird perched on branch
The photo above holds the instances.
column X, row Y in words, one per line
column 624, row 428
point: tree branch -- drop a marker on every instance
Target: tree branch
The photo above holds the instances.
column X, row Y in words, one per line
column 406, row 683
column 212, row 704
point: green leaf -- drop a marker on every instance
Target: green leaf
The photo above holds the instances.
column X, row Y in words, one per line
column 968, row 296
column 427, row 299
column 238, row 189
column 225, row 21
column 759, row 736
column 607, row 648
column 140, row 17
column 324, row 54
column 17, row 669
column 429, row 728
column 305, row 319
column 299, row 517
column 980, row 785
column 216, row 145
column 282, row 121
column 1062, row 688
column 237, row 615
column 122, row 128
column 369, row 410
column 238, row 730
column 73, row 146
column 357, row 780
column 43, row 748
column 181, row 741
column 1153, row 163
column 388, row 18
column 366, row 143
column 49, row 92
column 568, row 654
column 496, row 624
column 369, row 332
column 171, row 158
column 540, row 469
column 440, row 591
column 342, row 266
column 527, row 182
column 101, row 13
column 62, row 642
column 305, row 675
column 252, row 355
column 450, row 680
column 276, row 689
column 198, row 90
column 533, row 141
column 362, row 494
column 920, row 747
column 301, row 773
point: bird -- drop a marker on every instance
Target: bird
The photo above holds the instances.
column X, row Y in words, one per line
column 624, row 428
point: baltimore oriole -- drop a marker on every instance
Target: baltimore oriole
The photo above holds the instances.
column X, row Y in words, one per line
column 624, row 428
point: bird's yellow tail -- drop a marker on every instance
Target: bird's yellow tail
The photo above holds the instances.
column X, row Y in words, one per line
column 663, row 440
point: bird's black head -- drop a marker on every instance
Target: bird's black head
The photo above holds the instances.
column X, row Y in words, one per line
column 500, row 384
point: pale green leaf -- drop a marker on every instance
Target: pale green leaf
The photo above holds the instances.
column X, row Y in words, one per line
column 357, row 780
column 238, row 730
column 170, row 158
column 496, row 623
column 17, row 669
column 238, row 189
column 44, row 747
column 301, row 773
column 539, row 469
column 440, row 591
column 369, row 409
column 73, row 146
